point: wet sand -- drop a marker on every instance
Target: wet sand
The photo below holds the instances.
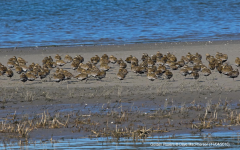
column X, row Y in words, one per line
column 105, row 108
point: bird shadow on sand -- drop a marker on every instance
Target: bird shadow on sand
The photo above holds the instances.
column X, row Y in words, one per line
column 13, row 79
column 124, row 81
column 189, row 78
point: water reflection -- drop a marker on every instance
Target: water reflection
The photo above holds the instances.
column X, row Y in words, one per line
column 220, row 140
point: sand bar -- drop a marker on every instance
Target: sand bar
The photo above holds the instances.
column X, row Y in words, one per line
column 135, row 93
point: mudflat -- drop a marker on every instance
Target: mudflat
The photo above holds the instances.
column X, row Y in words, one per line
column 134, row 107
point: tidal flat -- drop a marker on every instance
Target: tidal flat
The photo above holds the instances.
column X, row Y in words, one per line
column 133, row 108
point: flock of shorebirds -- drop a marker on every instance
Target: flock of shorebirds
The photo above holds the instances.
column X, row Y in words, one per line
column 154, row 66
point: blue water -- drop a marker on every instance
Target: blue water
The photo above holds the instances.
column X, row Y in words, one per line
column 221, row 140
column 25, row 23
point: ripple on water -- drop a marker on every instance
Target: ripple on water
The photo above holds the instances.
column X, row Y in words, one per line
column 73, row 22
column 182, row 141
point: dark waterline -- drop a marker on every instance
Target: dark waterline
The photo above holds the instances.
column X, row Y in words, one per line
column 71, row 22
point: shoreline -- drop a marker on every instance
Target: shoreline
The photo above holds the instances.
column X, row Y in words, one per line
column 134, row 43
column 111, row 98
column 109, row 47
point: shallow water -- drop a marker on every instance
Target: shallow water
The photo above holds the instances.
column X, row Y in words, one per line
column 71, row 22
column 229, row 140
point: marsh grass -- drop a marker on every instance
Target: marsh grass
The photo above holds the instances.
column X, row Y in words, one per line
column 120, row 123
column 123, row 117
column 28, row 95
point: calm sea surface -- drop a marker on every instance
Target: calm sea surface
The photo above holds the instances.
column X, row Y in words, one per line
column 221, row 140
column 25, row 23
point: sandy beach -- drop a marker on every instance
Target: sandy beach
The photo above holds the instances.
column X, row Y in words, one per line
column 75, row 108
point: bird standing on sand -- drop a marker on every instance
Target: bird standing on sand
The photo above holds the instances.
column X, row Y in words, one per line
column 104, row 67
column 128, row 59
column 120, row 75
column 57, row 57
column 60, row 62
column 226, row 69
column 9, row 73
column 162, row 68
column 237, row 61
column 184, row 72
column 82, row 76
column 30, row 76
column 23, row 77
column 112, row 59
column 195, row 75
column 122, row 65
column 11, row 64
column 68, row 59
column 234, row 74
column 211, row 65
column 101, row 74
column 197, row 67
column 3, row 69
column 18, row 69
column 158, row 73
column 151, row 76
column 56, row 78
column 123, row 70
column 206, row 72
column 168, row 74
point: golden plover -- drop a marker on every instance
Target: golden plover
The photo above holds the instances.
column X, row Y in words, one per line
column 84, row 66
column 154, row 58
column 226, row 69
column 60, row 62
column 11, row 64
column 119, row 61
column 197, row 68
column 123, row 70
column 224, row 57
column 168, row 74
column 237, row 62
column 56, row 78
column 211, row 66
column 14, row 59
column 158, row 73
column 122, row 65
column 151, row 76
column 195, row 75
column 68, row 59
column 23, row 77
column 159, row 55
column 234, row 74
column 144, row 56
column 184, row 72
column 120, row 75
column 206, row 72
column 105, row 56
column 57, row 57
column 74, row 65
column 30, row 76
column 104, row 67
column 101, row 74
column 82, row 76
column 9, row 73
column 18, row 69
column 112, row 59
column 128, row 59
